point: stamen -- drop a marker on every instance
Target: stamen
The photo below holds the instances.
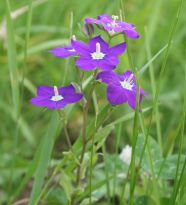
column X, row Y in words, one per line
column 56, row 93
column 115, row 17
column 128, row 83
column 56, row 97
column 74, row 37
column 98, row 55
column 98, row 48
column 130, row 78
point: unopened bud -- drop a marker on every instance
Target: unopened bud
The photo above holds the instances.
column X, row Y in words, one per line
column 88, row 29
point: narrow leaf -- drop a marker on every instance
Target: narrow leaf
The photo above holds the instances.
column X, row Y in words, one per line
column 44, row 158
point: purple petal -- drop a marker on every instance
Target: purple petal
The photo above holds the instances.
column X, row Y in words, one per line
column 63, row 52
column 59, row 105
column 46, row 102
column 120, row 27
column 66, row 90
column 131, row 98
column 131, row 34
column 80, row 47
column 45, row 91
column 105, row 65
column 92, row 44
column 92, row 21
column 113, row 60
column 142, row 93
column 118, row 49
column 41, row 101
column 127, row 75
column 127, row 26
column 108, row 77
column 86, row 64
column 104, row 17
column 108, row 63
column 116, row 95
column 73, row 98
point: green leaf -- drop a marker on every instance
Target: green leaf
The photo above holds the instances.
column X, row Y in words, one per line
column 143, row 69
column 169, row 166
column 44, row 157
column 128, row 116
column 87, row 201
column 57, row 197
column 152, row 148
column 118, row 164
column 102, row 135
column 84, row 165
column 44, row 46
column 144, row 200
column 65, row 182
column 12, row 61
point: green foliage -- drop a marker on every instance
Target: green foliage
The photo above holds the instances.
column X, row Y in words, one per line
column 153, row 161
column 44, row 157
column 144, row 200
column 35, row 160
column 65, row 182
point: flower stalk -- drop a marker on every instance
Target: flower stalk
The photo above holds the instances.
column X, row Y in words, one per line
column 123, row 88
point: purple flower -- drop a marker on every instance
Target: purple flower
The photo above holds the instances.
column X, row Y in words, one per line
column 64, row 52
column 121, row 88
column 114, row 26
column 97, row 54
column 55, row 98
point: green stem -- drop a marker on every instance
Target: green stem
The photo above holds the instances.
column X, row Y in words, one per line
column 63, row 119
column 153, row 86
column 91, row 170
column 178, row 181
column 85, row 112
column 92, row 148
column 84, row 134
column 107, row 174
column 116, row 153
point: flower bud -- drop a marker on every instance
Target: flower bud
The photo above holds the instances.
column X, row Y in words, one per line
column 88, row 29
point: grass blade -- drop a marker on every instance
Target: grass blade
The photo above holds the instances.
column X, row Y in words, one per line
column 12, row 60
column 44, row 158
column 27, row 37
column 12, row 66
column 151, row 60
column 153, row 86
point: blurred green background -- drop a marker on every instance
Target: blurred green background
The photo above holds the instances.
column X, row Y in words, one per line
column 52, row 24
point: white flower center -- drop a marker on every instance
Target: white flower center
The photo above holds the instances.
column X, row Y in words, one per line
column 128, row 83
column 115, row 17
column 72, row 50
column 56, row 96
column 112, row 25
column 98, row 55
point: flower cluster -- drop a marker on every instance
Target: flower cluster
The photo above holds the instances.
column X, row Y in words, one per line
column 96, row 54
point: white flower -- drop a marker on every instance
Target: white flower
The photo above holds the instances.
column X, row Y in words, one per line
column 126, row 154
column 122, row 175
